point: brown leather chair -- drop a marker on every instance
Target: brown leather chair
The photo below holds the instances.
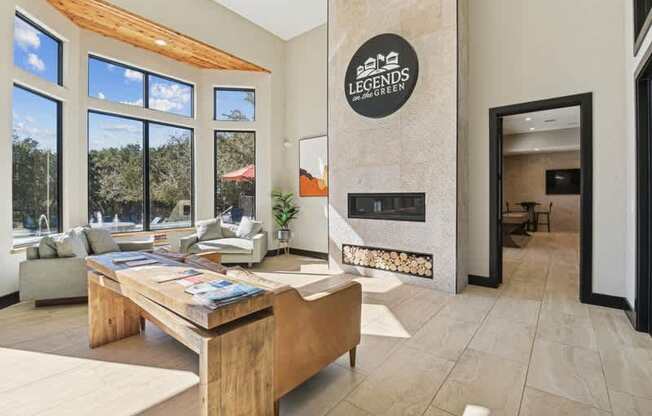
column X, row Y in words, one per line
column 315, row 325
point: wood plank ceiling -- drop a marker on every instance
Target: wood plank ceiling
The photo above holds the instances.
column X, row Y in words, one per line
column 106, row 19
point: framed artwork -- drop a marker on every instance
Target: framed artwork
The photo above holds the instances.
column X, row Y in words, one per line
column 313, row 166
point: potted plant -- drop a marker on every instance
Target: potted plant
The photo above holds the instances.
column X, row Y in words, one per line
column 285, row 210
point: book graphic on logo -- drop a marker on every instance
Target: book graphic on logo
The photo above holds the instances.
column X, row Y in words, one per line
column 381, row 63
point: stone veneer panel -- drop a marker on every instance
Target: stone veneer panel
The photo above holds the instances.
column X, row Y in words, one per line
column 412, row 150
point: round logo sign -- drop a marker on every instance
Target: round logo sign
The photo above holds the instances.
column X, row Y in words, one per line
column 381, row 76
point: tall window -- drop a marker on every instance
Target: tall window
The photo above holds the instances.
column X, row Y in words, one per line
column 235, row 104
column 36, row 155
column 36, row 50
column 235, row 175
column 139, row 174
column 170, row 176
column 112, row 81
column 115, row 172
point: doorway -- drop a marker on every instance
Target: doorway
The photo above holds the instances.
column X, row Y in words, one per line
column 496, row 198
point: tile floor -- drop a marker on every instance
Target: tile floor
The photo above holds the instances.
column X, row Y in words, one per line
column 528, row 348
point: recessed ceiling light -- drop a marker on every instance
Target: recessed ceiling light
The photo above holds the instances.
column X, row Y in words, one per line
column 160, row 42
column 528, row 118
column 532, row 128
column 536, row 149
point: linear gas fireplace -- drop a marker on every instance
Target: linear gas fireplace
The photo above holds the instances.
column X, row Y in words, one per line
column 388, row 206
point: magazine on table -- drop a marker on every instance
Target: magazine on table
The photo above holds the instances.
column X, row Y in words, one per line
column 221, row 292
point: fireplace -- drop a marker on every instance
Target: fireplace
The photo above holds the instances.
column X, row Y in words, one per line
column 388, row 206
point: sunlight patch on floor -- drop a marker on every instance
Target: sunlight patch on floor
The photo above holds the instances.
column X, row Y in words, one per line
column 378, row 284
column 380, row 321
column 33, row 382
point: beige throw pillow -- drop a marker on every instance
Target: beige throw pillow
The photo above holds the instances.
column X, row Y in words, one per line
column 209, row 230
column 101, row 241
column 248, row 228
column 71, row 245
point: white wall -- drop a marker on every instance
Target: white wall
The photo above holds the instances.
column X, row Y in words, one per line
column 198, row 19
column 529, row 50
column 306, row 114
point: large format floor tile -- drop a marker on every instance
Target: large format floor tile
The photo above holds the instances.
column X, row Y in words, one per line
column 628, row 370
column 403, row 385
column 624, row 404
column 485, row 380
column 444, row 337
column 566, row 329
column 321, row 393
column 504, row 338
column 567, row 371
column 539, row 403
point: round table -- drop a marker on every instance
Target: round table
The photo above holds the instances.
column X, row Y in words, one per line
column 529, row 206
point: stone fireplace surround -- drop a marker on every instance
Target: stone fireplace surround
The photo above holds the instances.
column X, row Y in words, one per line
column 412, row 150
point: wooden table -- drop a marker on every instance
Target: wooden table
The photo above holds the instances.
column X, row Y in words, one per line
column 235, row 342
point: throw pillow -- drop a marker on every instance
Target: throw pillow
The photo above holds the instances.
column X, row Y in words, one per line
column 47, row 248
column 209, row 229
column 101, row 241
column 81, row 232
column 71, row 245
column 248, row 228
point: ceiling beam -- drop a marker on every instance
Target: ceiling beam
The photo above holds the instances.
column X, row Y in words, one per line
column 108, row 20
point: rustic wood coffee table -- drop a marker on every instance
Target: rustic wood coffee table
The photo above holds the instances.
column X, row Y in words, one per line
column 235, row 342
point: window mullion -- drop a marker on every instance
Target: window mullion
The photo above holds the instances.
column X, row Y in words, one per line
column 146, row 196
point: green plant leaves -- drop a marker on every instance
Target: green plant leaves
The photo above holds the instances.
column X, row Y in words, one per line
column 284, row 209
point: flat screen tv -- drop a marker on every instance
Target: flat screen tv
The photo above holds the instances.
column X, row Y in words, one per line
column 563, row 182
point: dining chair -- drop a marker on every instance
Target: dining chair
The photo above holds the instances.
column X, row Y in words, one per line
column 510, row 209
column 546, row 215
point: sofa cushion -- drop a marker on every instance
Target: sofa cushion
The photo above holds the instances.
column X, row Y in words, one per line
column 47, row 247
column 70, row 244
column 229, row 230
column 226, row 246
column 248, row 228
column 101, row 241
column 81, row 232
column 209, row 229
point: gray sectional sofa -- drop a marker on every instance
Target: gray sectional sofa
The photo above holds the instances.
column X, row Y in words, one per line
column 47, row 278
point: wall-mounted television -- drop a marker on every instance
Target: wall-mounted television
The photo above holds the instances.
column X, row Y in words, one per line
column 563, row 182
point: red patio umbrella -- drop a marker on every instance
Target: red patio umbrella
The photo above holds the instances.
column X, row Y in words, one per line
column 245, row 174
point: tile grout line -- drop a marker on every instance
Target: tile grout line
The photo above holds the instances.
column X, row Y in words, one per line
column 466, row 347
column 534, row 338
column 366, row 375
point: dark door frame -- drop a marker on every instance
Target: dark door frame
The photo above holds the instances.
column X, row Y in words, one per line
column 640, row 314
column 585, row 102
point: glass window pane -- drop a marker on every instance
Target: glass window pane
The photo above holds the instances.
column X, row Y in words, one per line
column 35, row 133
column 170, row 176
column 170, row 96
column 114, row 82
column 36, row 51
column 235, row 175
column 115, row 172
column 235, row 104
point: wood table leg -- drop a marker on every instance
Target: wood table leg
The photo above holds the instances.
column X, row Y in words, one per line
column 236, row 370
column 111, row 316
